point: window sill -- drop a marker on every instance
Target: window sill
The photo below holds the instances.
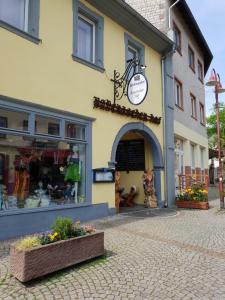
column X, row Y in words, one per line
column 88, row 64
column 195, row 118
column 42, row 209
column 200, row 80
column 20, row 32
column 178, row 50
column 192, row 69
column 203, row 124
column 181, row 108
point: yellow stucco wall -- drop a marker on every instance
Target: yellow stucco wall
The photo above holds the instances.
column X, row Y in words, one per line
column 46, row 74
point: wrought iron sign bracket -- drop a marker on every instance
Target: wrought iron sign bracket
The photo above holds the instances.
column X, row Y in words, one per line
column 120, row 82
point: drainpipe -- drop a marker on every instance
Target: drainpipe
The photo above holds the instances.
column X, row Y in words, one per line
column 170, row 30
column 165, row 146
column 164, row 132
column 169, row 17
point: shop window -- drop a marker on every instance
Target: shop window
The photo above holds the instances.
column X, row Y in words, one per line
column 191, row 58
column 3, row 124
column 193, row 107
column 200, row 72
column 88, row 36
column 46, row 125
column 177, row 37
column 41, row 173
column 202, row 114
column 74, row 131
column 20, row 14
column 13, row 119
column 38, row 168
column 178, row 93
column 134, row 49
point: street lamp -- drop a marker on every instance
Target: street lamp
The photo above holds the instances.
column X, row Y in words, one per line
column 215, row 81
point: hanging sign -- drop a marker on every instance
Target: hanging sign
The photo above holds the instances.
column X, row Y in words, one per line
column 137, row 89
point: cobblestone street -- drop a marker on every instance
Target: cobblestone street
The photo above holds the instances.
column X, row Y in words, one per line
column 154, row 255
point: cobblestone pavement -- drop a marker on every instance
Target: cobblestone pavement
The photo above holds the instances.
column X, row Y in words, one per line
column 154, row 255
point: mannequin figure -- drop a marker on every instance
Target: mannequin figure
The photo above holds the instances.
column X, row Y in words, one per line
column 3, row 197
column 73, row 172
column 149, row 190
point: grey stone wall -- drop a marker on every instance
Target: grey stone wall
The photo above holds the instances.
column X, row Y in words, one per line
column 152, row 10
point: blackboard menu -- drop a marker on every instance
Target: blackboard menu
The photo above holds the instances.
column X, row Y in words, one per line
column 130, row 155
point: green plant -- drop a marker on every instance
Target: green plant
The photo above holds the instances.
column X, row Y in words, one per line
column 28, row 242
column 196, row 192
column 64, row 227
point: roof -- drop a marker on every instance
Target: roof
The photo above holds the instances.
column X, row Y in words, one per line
column 123, row 14
column 188, row 17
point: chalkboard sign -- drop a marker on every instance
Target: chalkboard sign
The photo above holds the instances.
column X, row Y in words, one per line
column 130, row 155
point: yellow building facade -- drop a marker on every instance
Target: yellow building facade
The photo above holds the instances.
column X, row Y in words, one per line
column 48, row 84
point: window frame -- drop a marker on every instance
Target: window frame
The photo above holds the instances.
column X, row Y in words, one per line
column 32, row 23
column 176, row 80
column 193, row 152
column 79, row 9
column 202, row 113
column 136, row 45
column 193, row 109
column 191, row 51
column 14, row 105
column 176, row 29
column 93, row 35
column 201, row 77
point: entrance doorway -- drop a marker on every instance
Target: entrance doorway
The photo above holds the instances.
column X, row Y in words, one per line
column 135, row 150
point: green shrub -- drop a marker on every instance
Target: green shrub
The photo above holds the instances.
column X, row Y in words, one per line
column 64, row 227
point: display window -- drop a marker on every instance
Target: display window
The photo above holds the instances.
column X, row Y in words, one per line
column 37, row 171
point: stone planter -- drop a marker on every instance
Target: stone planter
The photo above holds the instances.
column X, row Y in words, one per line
column 29, row 264
column 192, row 204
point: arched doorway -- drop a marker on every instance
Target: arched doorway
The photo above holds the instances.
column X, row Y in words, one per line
column 130, row 134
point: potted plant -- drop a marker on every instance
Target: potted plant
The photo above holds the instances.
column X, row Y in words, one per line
column 66, row 244
column 194, row 197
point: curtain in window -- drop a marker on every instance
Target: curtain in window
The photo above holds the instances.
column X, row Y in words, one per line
column 85, row 40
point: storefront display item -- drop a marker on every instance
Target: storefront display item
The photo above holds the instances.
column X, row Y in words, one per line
column 149, row 190
column 3, row 197
column 73, row 172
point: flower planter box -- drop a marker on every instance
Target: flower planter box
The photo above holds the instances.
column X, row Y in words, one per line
column 29, row 264
column 192, row 204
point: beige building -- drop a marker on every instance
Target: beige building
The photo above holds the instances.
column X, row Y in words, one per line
column 190, row 64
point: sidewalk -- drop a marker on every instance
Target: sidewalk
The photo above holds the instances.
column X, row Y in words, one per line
column 150, row 255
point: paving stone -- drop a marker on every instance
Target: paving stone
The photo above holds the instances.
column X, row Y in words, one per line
column 168, row 256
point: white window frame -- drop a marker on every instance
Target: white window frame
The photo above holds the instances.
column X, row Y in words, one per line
column 93, row 32
column 178, row 93
column 193, row 162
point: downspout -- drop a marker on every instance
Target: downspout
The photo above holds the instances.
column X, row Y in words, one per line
column 169, row 17
column 165, row 146
column 164, row 132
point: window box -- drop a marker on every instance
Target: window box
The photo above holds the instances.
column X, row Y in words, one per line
column 33, row 263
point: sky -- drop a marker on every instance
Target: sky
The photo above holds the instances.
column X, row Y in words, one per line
column 210, row 16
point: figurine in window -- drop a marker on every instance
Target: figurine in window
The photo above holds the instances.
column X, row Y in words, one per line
column 73, row 171
column 3, row 197
column 69, row 192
